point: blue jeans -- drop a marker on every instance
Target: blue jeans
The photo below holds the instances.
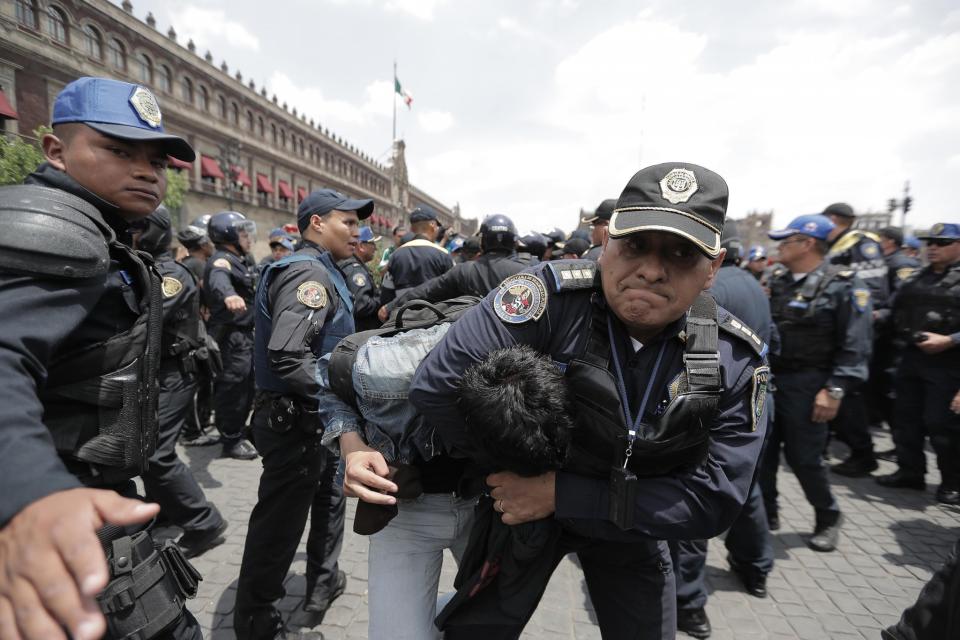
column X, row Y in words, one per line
column 404, row 563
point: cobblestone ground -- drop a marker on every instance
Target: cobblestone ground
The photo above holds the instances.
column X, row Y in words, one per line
column 892, row 542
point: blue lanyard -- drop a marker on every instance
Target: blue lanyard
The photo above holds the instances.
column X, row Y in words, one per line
column 633, row 423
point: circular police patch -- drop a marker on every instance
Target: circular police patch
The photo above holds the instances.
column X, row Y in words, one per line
column 678, row 185
column 170, row 287
column 359, row 279
column 312, row 294
column 520, row 298
column 870, row 250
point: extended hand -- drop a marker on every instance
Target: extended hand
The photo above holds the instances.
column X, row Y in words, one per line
column 365, row 472
column 382, row 313
column 955, row 403
column 522, row 499
column 824, row 407
column 935, row 343
column 52, row 565
column 235, row 304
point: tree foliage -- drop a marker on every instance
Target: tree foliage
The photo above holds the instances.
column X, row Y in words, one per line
column 177, row 185
column 20, row 156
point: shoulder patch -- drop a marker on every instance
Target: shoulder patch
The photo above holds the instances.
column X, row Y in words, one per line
column 170, row 286
column 312, row 294
column 870, row 250
column 904, row 273
column 221, row 263
column 733, row 326
column 520, row 298
column 861, row 299
column 359, row 279
column 572, row 274
column 758, row 397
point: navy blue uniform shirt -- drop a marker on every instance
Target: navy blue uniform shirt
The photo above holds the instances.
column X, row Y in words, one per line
column 228, row 274
column 417, row 261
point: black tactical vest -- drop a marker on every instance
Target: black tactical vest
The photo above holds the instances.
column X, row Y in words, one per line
column 808, row 333
column 922, row 305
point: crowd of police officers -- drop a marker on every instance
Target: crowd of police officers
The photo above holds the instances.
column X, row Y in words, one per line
column 859, row 335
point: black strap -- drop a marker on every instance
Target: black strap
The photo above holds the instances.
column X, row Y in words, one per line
column 701, row 358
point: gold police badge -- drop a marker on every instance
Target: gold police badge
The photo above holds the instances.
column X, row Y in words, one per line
column 678, row 186
column 145, row 104
column 312, row 294
column 170, row 287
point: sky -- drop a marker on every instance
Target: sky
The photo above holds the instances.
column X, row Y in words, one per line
column 537, row 109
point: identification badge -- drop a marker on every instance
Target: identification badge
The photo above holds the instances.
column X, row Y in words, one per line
column 623, row 497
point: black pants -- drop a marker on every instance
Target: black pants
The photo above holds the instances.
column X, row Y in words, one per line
column 852, row 424
column 233, row 390
column 298, row 478
column 936, row 613
column 198, row 415
column 168, row 481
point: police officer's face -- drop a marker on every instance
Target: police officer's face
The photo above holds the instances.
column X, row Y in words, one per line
column 651, row 278
column 365, row 251
column 244, row 241
column 942, row 256
column 338, row 232
column 130, row 175
column 598, row 232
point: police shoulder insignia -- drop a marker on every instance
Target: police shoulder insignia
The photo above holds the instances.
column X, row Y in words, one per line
column 870, row 250
column 678, row 186
column 520, row 298
column 221, row 263
column 861, row 298
column 312, row 294
column 904, row 273
column 170, row 286
column 758, row 398
column 733, row 326
column 146, row 106
column 359, row 279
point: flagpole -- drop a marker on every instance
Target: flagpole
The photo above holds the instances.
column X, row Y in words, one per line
column 394, row 95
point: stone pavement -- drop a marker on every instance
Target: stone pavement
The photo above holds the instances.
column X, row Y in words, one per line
column 892, row 542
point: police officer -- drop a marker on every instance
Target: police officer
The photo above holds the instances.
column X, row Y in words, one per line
column 363, row 288
column 618, row 339
column 900, row 266
column 599, row 222
column 498, row 241
column 229, row 283
column 555, row 241
column 823, row 317
column 199, row 248
column 531, row 248
column 757, row 261
column 79, row 311
column 419, row 259
column 748, row 542
column 926, row 316
column 303, row 309
column 167, row 481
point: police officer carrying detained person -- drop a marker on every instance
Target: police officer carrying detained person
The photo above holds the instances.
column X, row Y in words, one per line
column 81, row 318
column 303, row 309
column 669, row 393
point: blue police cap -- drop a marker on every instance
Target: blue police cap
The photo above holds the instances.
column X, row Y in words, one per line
column 912, row 242
column 278, row 232
column 366, row 235
column 119, row 110
column 323, row 201
column 942, row 231
column 284, row 242
column 423, row 213
column 455, row 245
column 757, row 252
column 815, row 225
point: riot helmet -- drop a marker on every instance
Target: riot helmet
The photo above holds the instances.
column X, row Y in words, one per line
column 730, row 240
column 498, row 232
column 225, row 227
column 155, row 232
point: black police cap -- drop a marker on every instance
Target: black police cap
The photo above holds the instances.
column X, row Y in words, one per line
column 604, row 211
column 841, row 209
column 676, row 197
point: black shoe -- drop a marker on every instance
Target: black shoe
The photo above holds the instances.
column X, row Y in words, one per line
column 890, row 455
column 694, row 622
column 258, row 626
column 753, row 581
column 773, row 521
column 200, row 439
column 856, row 466
column 195, row 543
column 948, row 495
column 240, row 450
column 826, row 534
column 901, row 480
column 316, row 603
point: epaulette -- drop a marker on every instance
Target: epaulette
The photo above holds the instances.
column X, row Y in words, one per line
column 570, row 275
column 734, row 327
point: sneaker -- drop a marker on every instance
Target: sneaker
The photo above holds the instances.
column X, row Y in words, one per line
column 240, row 450
column 694, row 622
column 826, row 536
column 195, row 543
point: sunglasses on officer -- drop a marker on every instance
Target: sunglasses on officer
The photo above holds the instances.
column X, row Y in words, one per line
column 939, row 242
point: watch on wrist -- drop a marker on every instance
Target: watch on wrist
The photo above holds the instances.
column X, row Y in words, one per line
column 835, row 392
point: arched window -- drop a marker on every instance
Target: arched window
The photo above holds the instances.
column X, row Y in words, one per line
column 57, row 24
column 92, row 42
column 164, row 80
column 186, row 90
column 250, row 120
column 222, row 107
column 27, row 13
column 234, row 113
column 204, row 98
column 117, row 55
column 260, row 125
column 144, row 69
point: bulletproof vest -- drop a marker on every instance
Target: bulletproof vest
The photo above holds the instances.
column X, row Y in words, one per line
column 183, row 330
column 807, row 338
column 331, row 332
column 929, row 306
column 99, row 400
column 680, row 437
column 243, row 277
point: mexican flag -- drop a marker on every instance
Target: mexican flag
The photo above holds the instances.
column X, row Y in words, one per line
column 407, row 98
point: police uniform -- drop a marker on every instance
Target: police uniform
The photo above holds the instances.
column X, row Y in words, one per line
column 228, row 274
column 417, row 261
column 688, row 490
column 926, row 383
column 303, row 309
column 363, row 288
column 80, row 318
column 600, row 216
column 824, row 325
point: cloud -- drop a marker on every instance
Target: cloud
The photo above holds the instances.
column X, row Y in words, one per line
column 208, row 27
column 435, row 121
column 330, row 111
column 422, row 9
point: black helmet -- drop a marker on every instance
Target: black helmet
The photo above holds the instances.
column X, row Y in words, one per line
column 194, row 235
column 225, row 227
column 556, row 238
column 498, row 232
column 535, row 243
column 730, row 240
column 156, row 232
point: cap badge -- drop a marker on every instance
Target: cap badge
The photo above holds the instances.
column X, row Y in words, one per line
column 520, row 298
column 810, row 227
column 146, row 106
column 936, row 229
column 678, row 186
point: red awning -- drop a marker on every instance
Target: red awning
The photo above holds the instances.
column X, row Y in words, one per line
column 6, row 109
column 210, row 168
column 177, row 163
column 301, row 194
column 263, row 184
column 239, row 175
column 284, row 189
